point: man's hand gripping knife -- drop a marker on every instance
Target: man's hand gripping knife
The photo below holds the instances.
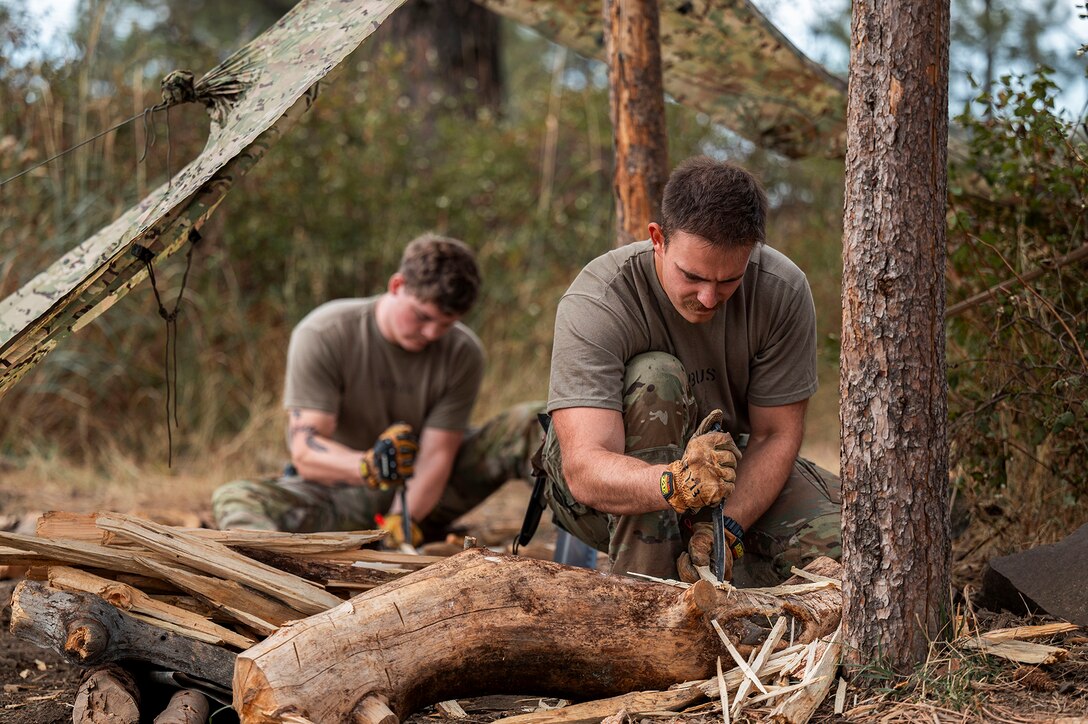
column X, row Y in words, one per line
column 389, row 464
column 392, row 460
column 706, row 475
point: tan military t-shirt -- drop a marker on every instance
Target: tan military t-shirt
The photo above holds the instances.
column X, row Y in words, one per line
column 339, row 362
column 759, row 349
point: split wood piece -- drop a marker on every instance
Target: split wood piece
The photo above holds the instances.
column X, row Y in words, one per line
column 482, row 622
column 76, row 553
column 723, row 692
column 591, row 712
column 319, row 571
column 678, row 698
column 82, row 526
column 192, row 604
column 451, row 709
column 187, row 706
column 1023, row 652
column 800, row 707
column 373, row 709
column 135, row 601
column 761, row 658
column 107, row 694
column 367, row 555
column 218, row 560
column 88, row 631
column 233, row 600
column 1028, row 632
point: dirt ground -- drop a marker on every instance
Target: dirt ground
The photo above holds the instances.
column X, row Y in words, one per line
column 39, row 687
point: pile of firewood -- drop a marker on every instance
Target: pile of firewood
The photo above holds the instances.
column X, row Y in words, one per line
column 106, row 588
column 259, row 620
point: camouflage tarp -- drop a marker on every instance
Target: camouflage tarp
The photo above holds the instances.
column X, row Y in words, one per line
column 720, row 56
column 252, row 97
column 723, row 58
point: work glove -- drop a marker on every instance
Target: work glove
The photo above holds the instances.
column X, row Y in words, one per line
column 392, row 460
column 707, row 472
column 393, row 525
column 701, row 549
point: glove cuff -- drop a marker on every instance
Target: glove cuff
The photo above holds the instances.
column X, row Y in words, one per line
column 367, row 470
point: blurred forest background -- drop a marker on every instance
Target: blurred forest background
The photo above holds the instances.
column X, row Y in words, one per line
column 450, row 119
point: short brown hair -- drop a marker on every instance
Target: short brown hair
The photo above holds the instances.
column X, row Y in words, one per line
column 718, row 201
column 441, row 271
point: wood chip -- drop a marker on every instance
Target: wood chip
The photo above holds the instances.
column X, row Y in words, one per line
column 723, row 693
column 765, row 651
column 741, row 663
column 814, row 577
column 799, row 707
column 451, row 709
column 840, row 696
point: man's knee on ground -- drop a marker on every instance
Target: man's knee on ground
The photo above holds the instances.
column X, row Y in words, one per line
column 242, row 504
column 821, row 536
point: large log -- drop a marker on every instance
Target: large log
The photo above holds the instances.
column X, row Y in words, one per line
column 486, row 623
column 88, row 631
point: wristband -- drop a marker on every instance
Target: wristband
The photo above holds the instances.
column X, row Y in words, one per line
column 736, row 546
column 668, row 486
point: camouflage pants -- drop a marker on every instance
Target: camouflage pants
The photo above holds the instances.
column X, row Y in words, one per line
column 659, row 415
column 489, row 456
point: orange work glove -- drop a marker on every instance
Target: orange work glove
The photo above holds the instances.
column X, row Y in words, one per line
column 700, row 549
column 393, row 525
column 392, row 460
column 707, row 473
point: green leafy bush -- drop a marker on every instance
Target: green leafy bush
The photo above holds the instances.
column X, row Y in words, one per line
column 1018, row 315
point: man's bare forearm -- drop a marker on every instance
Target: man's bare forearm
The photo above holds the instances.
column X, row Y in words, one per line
column 614, row 483
column 321, row 459
column 761, row 476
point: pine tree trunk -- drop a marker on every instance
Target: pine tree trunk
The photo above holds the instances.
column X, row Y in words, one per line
column 637, row 99
column 894, row 456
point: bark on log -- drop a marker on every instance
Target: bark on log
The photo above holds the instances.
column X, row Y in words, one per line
column 107, row 695
column 187, row 706
column 486, row 623
column 87, row 631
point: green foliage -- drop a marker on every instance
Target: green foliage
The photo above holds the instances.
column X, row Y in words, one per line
column 324, row 215
column 1018, row 374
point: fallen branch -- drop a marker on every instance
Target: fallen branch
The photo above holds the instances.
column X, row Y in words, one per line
column 481, row 622
column 87, row 631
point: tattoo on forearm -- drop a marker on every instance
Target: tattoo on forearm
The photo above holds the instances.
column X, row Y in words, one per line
column 311, row 436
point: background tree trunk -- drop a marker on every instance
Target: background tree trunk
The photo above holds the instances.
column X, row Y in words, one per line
column 894, row 455
column 637, row 100
column 453, row 49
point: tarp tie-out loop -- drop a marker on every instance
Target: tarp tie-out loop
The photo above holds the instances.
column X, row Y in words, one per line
column 170, row 360
column 219, row 90
column 177, row 87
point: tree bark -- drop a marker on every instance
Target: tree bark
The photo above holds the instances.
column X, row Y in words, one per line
column 893, row 389
column 107, row 695
column 637, row 102
column 486, row 623
column 88, row 631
